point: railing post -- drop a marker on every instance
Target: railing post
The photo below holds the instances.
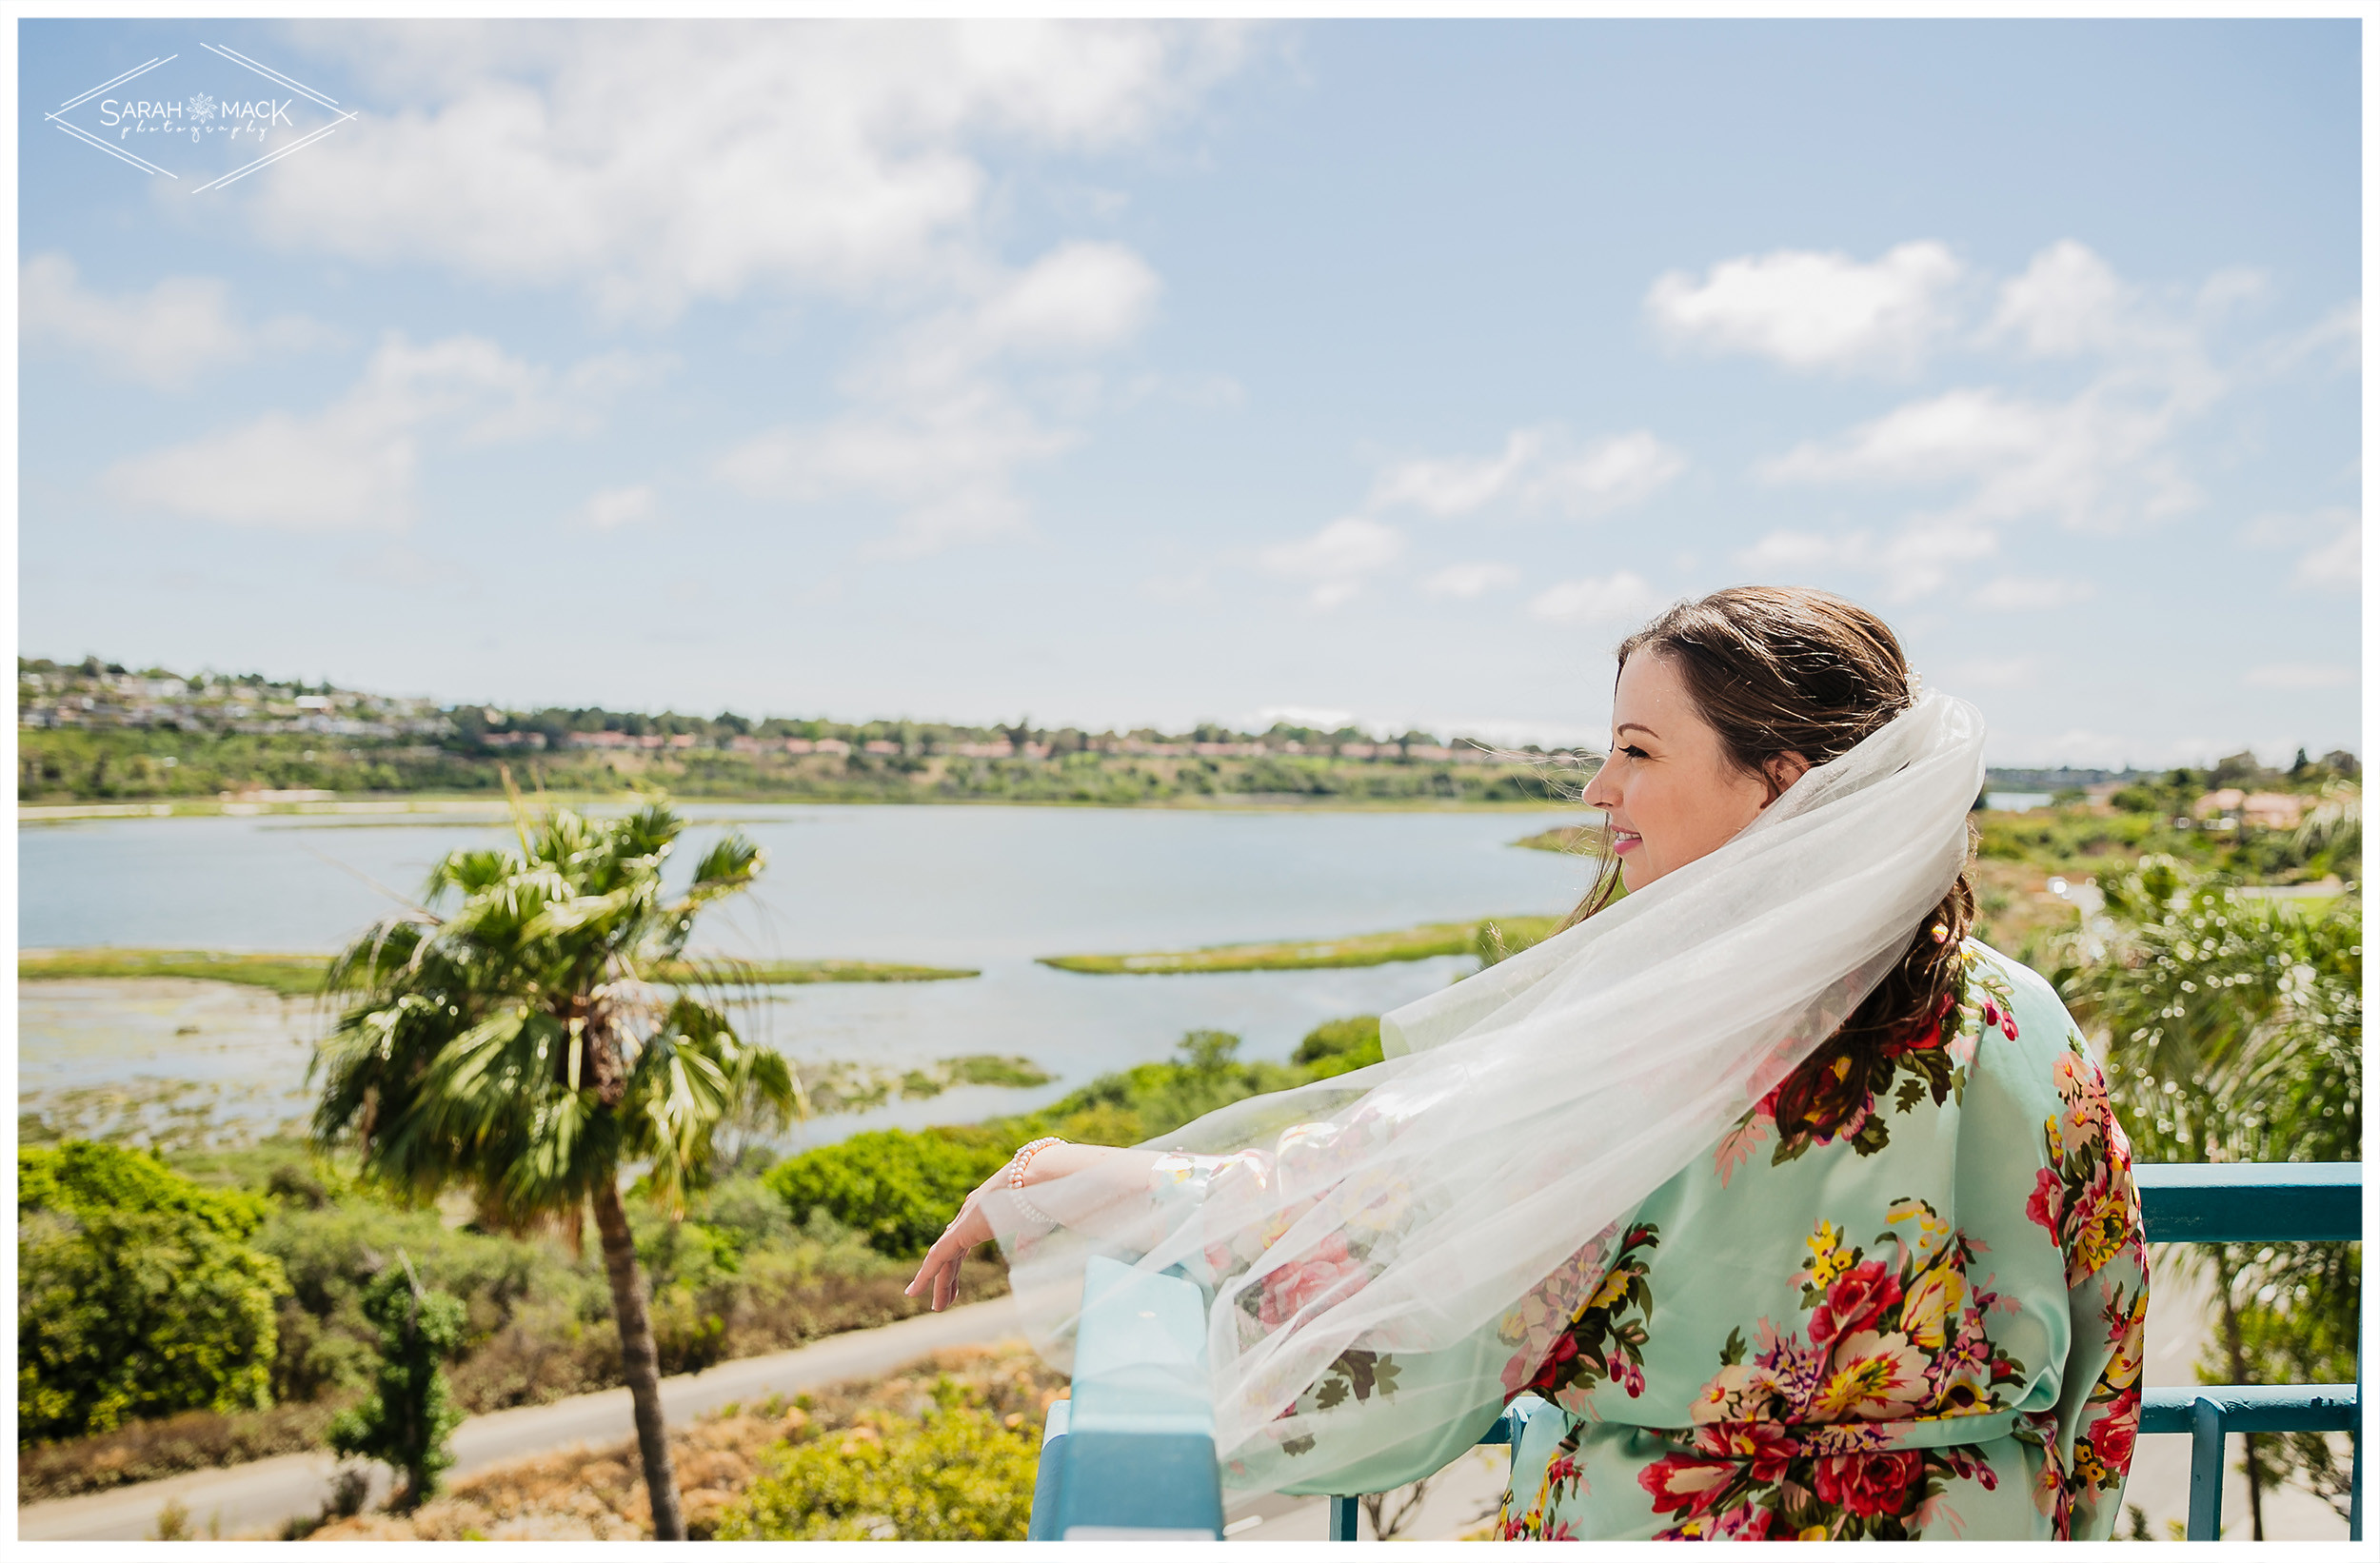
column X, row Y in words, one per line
column 2205, row 1469
column 1343, row 1513
column 1131, row 1454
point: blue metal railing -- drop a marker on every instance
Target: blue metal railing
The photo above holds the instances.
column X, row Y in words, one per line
column 1132, row 1453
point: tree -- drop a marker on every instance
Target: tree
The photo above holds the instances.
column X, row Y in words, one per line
column 2234, row 1028
column 516, row 1044
column 410, row 1413
column 138, row 1292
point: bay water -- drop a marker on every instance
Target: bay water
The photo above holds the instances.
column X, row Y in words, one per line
column 985, row 887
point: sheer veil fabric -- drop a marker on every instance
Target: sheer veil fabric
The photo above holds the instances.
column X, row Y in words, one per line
column 1390, row 1251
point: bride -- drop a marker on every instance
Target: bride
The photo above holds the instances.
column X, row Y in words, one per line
column 1797, row 1211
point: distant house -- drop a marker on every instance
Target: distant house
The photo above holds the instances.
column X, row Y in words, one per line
column 2264, row 810
column 883, row 746
column 828, row 745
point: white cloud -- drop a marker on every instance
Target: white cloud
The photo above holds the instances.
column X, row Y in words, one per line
column 1788, row 551
column 937, row 432
column 352, row 464
column 2067, row 302
column 1810, row 310
column 2336, row 340
column 1336, row 558
column 1457, row 485
column 2298, row 676
column 1078, row 298
column 611, row 508
column 2338, row 564
column 790, row 157
column 1537, row 468
column 2332, row 537
column 162, row 338
column 2031, row 593
column 1992, row 673
column 2107, row 458
column 655, row 165
column 1468, row 580
column 1917, row 561
column 1594, row 599
column 2099, row 460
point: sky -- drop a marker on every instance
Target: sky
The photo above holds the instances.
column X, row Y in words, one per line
column 1143, row 375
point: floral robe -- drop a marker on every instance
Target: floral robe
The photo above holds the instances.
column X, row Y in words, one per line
column 1895, row 1301
column 1903, row 1305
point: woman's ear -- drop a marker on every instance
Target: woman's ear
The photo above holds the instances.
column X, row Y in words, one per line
column 1782, row 772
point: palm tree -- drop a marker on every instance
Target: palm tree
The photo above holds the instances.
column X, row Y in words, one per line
column 2235, row 1031
column 516, row 1043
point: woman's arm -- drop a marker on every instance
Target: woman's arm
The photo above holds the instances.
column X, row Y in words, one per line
column 1126, row 1170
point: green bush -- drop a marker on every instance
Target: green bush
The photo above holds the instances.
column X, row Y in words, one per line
column 411, row 1413
column 139, row 1293
column 962, row 1474
column 1337, row 1046
column 898, row 1189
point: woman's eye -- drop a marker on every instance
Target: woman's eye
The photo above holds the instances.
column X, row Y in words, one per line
column 1632, row 751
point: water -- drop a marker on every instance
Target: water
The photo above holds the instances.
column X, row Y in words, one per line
column 982, row 887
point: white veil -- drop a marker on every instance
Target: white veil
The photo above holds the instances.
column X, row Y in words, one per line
column 1451, row 1208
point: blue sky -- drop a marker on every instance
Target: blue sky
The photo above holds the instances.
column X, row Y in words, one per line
column 1124, row 375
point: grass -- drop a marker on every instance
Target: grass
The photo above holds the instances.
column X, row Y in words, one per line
column 1585, row 839
column 772, row 973
column 1422, row 943
column 292, row 976
column 301, row 976
column 843, row 1086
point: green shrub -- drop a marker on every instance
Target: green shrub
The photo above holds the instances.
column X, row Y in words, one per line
column 898, row 1189
column 138, row 1292
column 1337, row 1046
column 410, row 1413
column 962, row 1474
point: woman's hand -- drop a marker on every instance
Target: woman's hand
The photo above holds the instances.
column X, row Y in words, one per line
column 940, row 1271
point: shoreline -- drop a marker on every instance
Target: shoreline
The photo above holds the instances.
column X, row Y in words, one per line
column 443, row 808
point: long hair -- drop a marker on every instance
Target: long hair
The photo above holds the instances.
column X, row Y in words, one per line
column 1781, row 670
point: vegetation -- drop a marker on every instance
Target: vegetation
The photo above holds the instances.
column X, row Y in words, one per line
column 292, row 976
column 736, row 1276
column 896, row 1189
column 2235, row 1027
column 739, row 1462
column 962, row 1471
column 517, row 1046
column 1422, row 943
column 299, row 975
column 901, row 1187
column 139, row 1293
column 96, row 731
column 410, row 1413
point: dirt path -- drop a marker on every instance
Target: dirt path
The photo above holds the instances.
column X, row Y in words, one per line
column 259, row 1499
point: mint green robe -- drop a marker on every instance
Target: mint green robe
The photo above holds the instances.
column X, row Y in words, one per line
column 1901, row 1298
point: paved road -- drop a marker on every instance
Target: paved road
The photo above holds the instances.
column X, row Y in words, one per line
column 260, row 1497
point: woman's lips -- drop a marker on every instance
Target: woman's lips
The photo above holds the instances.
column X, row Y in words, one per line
column 1625, row 840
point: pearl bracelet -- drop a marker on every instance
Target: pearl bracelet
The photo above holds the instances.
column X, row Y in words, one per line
column 1016, row 1176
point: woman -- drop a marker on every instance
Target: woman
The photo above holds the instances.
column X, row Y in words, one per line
column 1801, row 1212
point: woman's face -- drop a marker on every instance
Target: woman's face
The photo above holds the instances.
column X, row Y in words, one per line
column 1669, row 790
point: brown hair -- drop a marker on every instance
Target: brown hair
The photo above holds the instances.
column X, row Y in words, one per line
column 1787, row 670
